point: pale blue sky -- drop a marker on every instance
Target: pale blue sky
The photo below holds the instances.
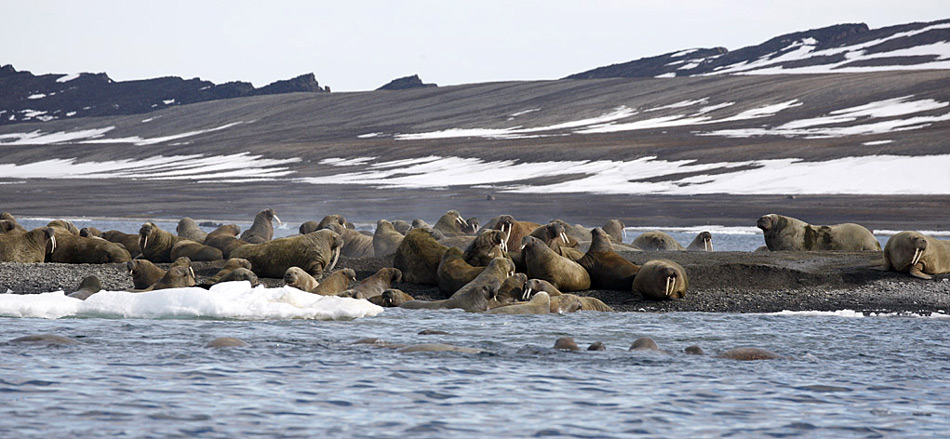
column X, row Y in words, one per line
column 361, row 45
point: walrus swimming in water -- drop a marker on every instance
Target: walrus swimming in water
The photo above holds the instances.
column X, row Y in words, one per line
column 188, row 229
column 787, row 233
column 657, row 241
column 418, row 257
column 144, row 273
column 374, row 285
column 475, row 295
column 386, row 239
column 702, row 242
column 225, row 238
column 391, row 298
column 90, row 285
column 74, row 249
column 488, row 245
column 661, row 279
column 539, row 304
column 299, row 279
column 451, row 224
column 262, row 230
column 917, row 254
column 543, row 263
column 32, row 246
column 453, row 272
column 314, row 252
column 608, row 270
column 749, row 354
column 336, row 282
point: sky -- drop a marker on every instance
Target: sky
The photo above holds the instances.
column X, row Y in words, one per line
column 358, row 45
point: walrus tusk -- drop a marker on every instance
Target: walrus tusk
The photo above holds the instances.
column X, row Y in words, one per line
column 917, row 254
column 504, row 246
column 192, row 271
column 460, row 220
column 336, row 256
column 527, row 294
column 708, row 244
column 669, row 286
column 52, row 240
column 278, row 221
column 144, row 242
column 507, row 233
column 564, row 237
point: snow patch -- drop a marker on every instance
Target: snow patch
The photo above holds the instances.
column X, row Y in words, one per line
column 680, row 104
column 336, row 161
column 666, row 75
column 621, row 112
column 67, row 78
column 369, row 135
column 36, row 96
column 877, row 142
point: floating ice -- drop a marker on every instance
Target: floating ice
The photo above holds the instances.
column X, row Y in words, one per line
column 229, row 300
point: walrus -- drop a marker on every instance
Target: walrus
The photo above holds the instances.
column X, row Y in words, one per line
column 90, row 285
column 386, row 239
column 510, row 291
column 608, row 270
column 391, row 298
column 229, row 266
column 419, row 223
column 749, row 354
column 539, row 304
column 10, row 224
column 336, row 282
column 160, row 246
column 299, row 279
column 487, row 245
column 475, row 295
column 657, row 241
column 187, row 228
column 694, row 350
column 240, row 274
column 917, row 254
column 554, row 235
column 402, row 226
column 314, row 252
column 784, row 233
column 75, row 249
column 563, row 303
column 129, row 240
column 32, row 246
column 661, row 279
column 374, row 285
column 702, row 242
column 471, row 226
column 451, row 224
column 66, row 225
column 262, row 230
column 225, row 238
column 144, row 273
column 333, row 219
column 597, row 346
column 616, row 230
column 226, row 342
column 543, row 263
column 578, row 232
column 514, row 230
column 175, row 277
column 90, row 232
column 355, row 244
column 454, row 272
column 49, row 339
column 418, row 257
column 644, row 344
column 566, row 344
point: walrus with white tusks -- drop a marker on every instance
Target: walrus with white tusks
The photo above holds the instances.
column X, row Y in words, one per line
column 514, row 230
column 355, row 244
column 418, row 257
column 917, row 254
column 454, row 272
column 617, row 230
column 90, row 285
column 333, row 219
column 299, row 279
column 554, row 236
column 75, row 249
column 543, row 263
column 702, row 242
column 539, row 304
column 391, row 298
column 175, row 277
column 661, row 279
column 144, row 273
column 401, row 226
column 608, row 270
column 160, row 246
column 128, row 240
column 374, row 285
column 563, row 303
column 451, row 224
column 262, row 230
column 66, row 225
column 386, row 239
column 510, row 291
column 229, row 266
column 471, row 226
column 225, row 238
column 578, row 232
column 476, row 295
column 784, row 233
column 314, row 252
column 487, row 245
column 657, row 241
column 336, row 282
column 187, row 228
column 32, row 246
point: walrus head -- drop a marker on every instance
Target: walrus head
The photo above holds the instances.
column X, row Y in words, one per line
column 6, row 226
column 668, row 275
column 707, row 240
column 530, row 242
column 144, row 232
column 240, row 274
column 471, row 226
column 505, row 222
column 270, row 215
column 766, row 222
column 50, row 234
column 919, row 244
column 331, row 219
column 395, row 275
column 177, row 277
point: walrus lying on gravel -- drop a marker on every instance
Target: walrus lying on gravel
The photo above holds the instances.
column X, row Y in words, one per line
column 487, row 245
column 608, row 270
column 453, row 272
column 475, row 295
column 790, row 234
column 374, row 285
column 702, row 243
column 554, row 235
column 402, row 226
column 336, row 283
column 8, row 224
column 355, row 244
column 90, row 232
column 661, row 279
column 314, row 252
column 175, row 277
column 75, row 249
column 66, row 225
column 543, row 263
column 616, row 229
column 144, row 273
column 234, row 269
column 917, row 254
column 514, row 230
column 418, row 257
column 187, row 228
column 386, row 238
column 225, row 238
column 657, row 241
column 32, row 246
column 262, row 230
column 129, row 240
column 160, row 246
column 563, row 303
column 451, row 224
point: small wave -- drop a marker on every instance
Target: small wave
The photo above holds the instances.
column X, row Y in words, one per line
column 229, row 300
column 847, row 313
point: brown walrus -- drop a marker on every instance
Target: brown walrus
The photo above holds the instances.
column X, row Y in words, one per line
column 90, row 232
column 608, row 270
column 510, row 291
column 644, row 344
column 90, row 285
column 402, row 226
column 187, row 228
column 262, row 230
column 129, row 240
column 418, row 257
column 374, row 285
column 299, row 279
column 160, row 246
column 657, row 241
column 661, row 279
column 386, row 239
column 391, row 298
column 229, row 266
column 563, row 303
column 702, row 242
column 514, row 230
column 355, row 244
column 474, row 296
column 487, row 245
column 917, row 254
column 226, row 342
column 75, row 249
column 336, row 282
column 453, row 272
column 543, row 263
column 749, row 354
column 240, row 274
column 66, row 225
column 471, row 226
column 577, row 232
column 175, row 277
column 554, row 235
column 144, row 273
column 8, row 224
column 787, row 233
column 32, row 246
column 225, row 238
column 451, row 224
column 314, row 252
column 539, row 304
column 616, row 230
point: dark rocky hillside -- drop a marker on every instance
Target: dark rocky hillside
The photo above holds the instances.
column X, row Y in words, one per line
column 25, row 97
column 406, row 83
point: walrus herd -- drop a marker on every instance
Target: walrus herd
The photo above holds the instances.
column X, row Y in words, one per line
column 506, row 266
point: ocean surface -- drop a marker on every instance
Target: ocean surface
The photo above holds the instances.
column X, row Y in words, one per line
column 141, row 369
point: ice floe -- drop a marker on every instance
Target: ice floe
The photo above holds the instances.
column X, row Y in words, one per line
column 229, row 300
